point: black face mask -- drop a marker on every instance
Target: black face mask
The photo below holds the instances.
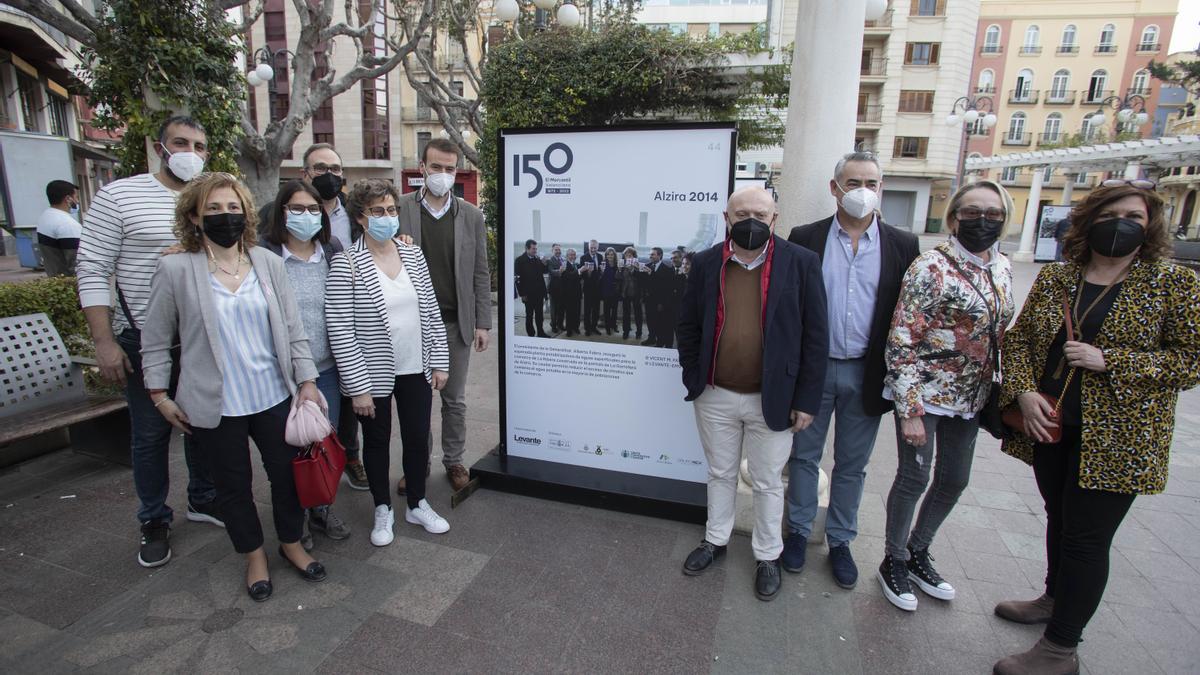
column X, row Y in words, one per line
column 978, row 234
column 224, row 229
column 328, row 185
column 751, row 233
column 1116, row 237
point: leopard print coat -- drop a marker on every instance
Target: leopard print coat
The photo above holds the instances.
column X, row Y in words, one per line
column 1151, row 345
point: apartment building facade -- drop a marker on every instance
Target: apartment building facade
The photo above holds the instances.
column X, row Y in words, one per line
column 1046, row 68
column 1180, row 186
column 379, row 126
column 704, row 17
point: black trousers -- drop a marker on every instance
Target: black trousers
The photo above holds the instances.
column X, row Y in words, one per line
column 631, row 306
column 533, row 315
column 610, row 313
column 570, row 303
column 227, row 449
column 591, row 310
column 1080, row 527
column 347, row 430
column 558, row 310
column 414, row 401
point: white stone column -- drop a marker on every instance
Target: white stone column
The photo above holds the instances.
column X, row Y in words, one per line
column 1068, row 188
column 823, row 106
column 1029, row 228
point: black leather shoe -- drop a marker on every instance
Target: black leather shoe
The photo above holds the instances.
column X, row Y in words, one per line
column 314, row 572
column 700, row 559
column 767, row 580
column 259, row 591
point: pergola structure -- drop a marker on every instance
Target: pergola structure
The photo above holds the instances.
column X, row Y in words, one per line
column 1131, row 158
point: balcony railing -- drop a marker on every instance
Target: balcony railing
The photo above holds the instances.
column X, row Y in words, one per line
column 884, row 21
column 1068, row 49
column 989, row 50
column 989, row 89
column 1059, row 97
column 876, row 68
column 1023, row 96
column 978, row 132
column 1017, row 139
column 1148, row 47
column 1138, row 91
column 1051, row 139
column 1031, row 49
column 872, row 114
column 1106, row 49
column 416, row 114
column 1096, row 95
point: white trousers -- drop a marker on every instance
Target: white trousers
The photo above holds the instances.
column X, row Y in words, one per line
column 729, row 423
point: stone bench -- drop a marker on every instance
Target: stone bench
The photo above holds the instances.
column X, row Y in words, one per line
column 43, row 404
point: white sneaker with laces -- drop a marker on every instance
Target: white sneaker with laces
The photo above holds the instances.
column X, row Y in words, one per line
column 426, row 517
column 385, row 519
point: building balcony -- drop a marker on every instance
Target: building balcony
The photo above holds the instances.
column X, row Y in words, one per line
column 978, row 132
column 870, row 116
column 1148, row 48
column 1105, row 49
column 1096, row 95
column 1138, row 91
column 991, row 50
column 1067, row 49
column 1059, row 97
column 1025, row 139
column 881, row 25
column 1051, row 139
column 874, row 72
column 1023, row 96
column 1031, row 50
column 417, row 114
column 989, row 89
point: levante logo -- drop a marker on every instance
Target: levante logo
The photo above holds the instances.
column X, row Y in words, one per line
column 554, row 164
column 527, row 440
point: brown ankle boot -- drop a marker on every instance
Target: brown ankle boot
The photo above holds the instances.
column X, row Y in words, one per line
column 1046, row 658
column 1027, row 611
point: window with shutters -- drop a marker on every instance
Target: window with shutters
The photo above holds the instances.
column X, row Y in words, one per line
column 913, row 101
column 927, row 8
column 921, row 53
column 910, row 147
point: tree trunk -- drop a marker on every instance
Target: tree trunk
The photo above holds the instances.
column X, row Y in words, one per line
column 261, row 174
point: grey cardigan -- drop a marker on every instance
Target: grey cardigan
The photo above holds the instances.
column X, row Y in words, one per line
column 181, row 303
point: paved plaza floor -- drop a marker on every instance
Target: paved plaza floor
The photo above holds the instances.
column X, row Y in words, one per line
column 526, row 585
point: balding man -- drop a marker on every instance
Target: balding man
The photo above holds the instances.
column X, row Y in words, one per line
column 753, row 345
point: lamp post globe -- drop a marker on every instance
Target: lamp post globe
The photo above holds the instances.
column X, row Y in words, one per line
column 1124, row 114
column 970, row 116
column 989, row 120
column 1097, row 120
column 568, row 15
column 264, row 71
column 1141, row 118
column 544, row 4
column 507, row 10
column 951, row 120
column 253, row 79
column 875, row 9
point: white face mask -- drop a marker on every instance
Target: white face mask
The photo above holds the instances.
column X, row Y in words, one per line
column 859, row 202
column 439, row 183
column 184, row 165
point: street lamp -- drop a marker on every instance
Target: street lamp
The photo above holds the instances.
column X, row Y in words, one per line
column 1132, row 107
column 264, row 72
column 567, row 15
column 974, row 110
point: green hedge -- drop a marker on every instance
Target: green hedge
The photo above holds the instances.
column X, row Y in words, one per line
column 57, row 297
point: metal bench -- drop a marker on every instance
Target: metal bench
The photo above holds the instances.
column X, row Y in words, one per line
column 1187, row 253
column 41, row 392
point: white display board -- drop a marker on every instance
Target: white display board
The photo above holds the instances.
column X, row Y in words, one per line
column 605, row 402
column 1046, row 248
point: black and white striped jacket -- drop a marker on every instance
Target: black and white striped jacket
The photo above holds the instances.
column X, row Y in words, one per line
column 358, row 327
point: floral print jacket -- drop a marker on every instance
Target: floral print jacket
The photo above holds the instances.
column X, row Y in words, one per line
column 939, row 350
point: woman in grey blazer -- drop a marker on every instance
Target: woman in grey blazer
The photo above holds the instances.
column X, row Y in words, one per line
column 244, row 358
column 389, row 341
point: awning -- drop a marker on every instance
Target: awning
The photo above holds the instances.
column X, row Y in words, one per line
column 88, row 152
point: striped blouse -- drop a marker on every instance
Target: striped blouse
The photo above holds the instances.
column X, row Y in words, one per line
column 252, row 379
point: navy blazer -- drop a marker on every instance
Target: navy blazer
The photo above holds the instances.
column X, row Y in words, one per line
column 898, row 249
column 795, row 337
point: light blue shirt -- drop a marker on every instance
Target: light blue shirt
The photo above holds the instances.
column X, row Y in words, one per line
column 252, row 381
column 851, row 284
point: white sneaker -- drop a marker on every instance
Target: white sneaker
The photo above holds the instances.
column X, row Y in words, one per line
column 426, row 517
column 385, row 519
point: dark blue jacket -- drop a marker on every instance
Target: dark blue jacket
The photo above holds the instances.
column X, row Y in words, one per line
column 795, row 337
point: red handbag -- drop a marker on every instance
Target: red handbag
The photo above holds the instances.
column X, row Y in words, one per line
column 317, row 470
column 1014, row 418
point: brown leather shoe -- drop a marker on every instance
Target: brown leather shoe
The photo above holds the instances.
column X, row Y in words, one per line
column 1046, row 658
column 458, row 476
column 1027, row 611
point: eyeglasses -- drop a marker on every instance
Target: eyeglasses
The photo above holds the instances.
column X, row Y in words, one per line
column 319, row 169
column 297, row 209
column 973, row 212
column 379, row 211
column 1139, row 183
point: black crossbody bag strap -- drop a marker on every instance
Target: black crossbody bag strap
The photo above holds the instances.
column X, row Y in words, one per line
column 125, row 310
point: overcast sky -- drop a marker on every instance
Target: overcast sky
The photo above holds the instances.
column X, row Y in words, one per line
column 1186, row 35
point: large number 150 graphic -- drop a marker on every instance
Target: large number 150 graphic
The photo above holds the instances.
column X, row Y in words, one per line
column 525, row 164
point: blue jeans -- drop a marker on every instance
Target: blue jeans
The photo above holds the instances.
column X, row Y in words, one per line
column 150, row 435
column 327, row 383
column 853, row 441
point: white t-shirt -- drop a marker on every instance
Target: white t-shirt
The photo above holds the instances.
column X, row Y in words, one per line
column 404, row 321
column 58, row 224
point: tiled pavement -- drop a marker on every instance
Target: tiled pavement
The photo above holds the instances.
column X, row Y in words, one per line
column 526, row 585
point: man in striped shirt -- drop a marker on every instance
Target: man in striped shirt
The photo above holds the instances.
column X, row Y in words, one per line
column 126, row 229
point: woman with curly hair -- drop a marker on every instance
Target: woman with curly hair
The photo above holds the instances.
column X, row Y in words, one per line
column 244, row 360
column 1111, row 335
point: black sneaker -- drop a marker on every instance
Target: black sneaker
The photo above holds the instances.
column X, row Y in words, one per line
column 920, row 570
column 204, row 513
column 893, row 577
column 795, row 548
column 767, row 580
column 156, row 544
column 701, row 558
column 845, row 572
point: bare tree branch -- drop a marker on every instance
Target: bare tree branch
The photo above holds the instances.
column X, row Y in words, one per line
column 230, row 4
column 82, row 30
column 252, row 17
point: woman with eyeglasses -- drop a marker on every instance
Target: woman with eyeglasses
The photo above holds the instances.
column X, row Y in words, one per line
column 1133, row 345
column 244, row 359
column 389, row 342
column 298, row 231
column 942, row 362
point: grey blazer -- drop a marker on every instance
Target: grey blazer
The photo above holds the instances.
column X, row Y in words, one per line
column 181, row 303
column 472, row 280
